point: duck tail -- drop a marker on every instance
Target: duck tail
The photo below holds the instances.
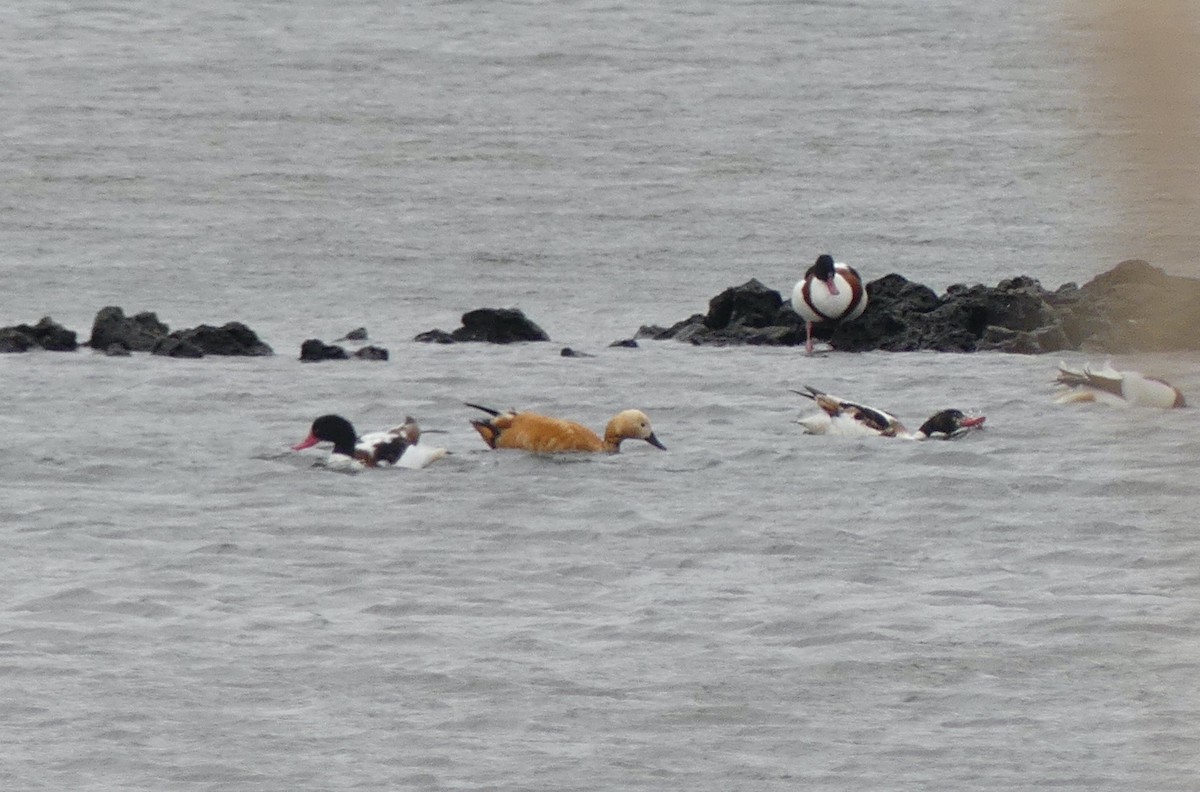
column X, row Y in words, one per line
column 487, row 410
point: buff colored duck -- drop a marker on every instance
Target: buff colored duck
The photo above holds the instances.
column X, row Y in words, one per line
column 542, row 434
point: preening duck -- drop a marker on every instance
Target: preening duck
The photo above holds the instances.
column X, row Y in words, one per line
column 399, row 446
column 1109, row 386
column 542, row 434
column 828, row 292
column 849, row 419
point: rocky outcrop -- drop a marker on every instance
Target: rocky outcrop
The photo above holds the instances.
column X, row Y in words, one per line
column 231, row 338
column 46, row 334
column 1133, row 307
column 139, row 333
column 490, row 325
column 113, row 331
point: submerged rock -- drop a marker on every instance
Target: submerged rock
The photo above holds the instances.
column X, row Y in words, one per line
column 574, row 353
column 1133, row 307
column 315, row 350
column 371, row 353
column 489, row 325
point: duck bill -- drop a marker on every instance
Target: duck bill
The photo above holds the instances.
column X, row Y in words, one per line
column 972, row 422
column 831, row 283
column 654, row 441
column 308, row 442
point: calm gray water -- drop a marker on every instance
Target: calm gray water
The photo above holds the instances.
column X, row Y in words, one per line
column 187, row 605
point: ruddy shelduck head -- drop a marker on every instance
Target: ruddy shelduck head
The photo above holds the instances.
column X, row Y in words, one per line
column 630, row 425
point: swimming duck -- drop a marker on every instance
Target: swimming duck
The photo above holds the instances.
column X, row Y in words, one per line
column 846, row 418
column 545, row 435
column 399, row 446
column 828, row 292
column 1109, row 386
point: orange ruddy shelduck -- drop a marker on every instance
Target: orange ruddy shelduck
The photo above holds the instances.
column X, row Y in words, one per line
column 542, row 434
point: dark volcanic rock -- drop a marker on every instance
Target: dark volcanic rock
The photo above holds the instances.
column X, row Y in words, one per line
column 435, row 337
column 173, row 346
column 1132, row 307
column 46, row 334
column 371, row 353
column 315, row 350
column 138, row 333
column 749, row 305
column 231, row 338
column 491, row 325
column 15, row 340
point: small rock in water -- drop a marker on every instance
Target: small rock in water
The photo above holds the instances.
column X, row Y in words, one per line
column 571, row 353
column 371, row 353
column 358, row 334
column 314, row 350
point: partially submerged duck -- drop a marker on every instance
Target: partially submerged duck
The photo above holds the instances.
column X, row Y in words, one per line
column 849, row 419
column 399, row 446
column 1109, row 386
column 542, row 434
column 828, row 292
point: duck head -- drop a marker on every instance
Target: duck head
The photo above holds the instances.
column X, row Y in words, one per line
column 332, row 429
column 949, row 423
column 825, row 271
column 630, row 425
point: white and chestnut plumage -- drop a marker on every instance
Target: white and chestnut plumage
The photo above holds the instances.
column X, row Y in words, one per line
column 542, row 434
column 850, row 419
column 399, row 446
column 828, row 292
column 1106, row 385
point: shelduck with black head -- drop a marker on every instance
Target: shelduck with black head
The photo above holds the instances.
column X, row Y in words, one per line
column 849, row 419
column 399, row 446
column 828, row 292
column 542, row 434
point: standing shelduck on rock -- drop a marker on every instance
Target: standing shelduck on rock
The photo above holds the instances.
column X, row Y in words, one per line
column 1120, row 388
column 849, row 419
column 542, row 434
column 399, row 446
column 828, row 292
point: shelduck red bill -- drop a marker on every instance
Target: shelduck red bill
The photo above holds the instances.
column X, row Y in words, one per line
column 307, row 442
